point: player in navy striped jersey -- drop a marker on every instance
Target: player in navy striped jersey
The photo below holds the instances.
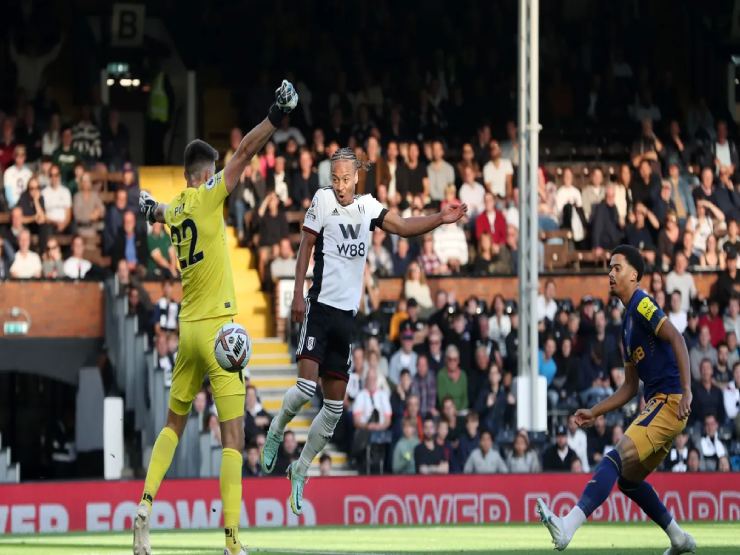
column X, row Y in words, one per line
column 337, row 227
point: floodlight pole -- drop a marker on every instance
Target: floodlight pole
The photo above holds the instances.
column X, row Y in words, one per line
column 529, row 128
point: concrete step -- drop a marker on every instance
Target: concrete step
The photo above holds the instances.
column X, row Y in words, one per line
column 269, row 347
column 271, row 359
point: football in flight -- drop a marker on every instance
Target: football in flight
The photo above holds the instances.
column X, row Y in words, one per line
column 233, row 347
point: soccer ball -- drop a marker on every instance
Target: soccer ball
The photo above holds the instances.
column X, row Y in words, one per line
column 233, row 347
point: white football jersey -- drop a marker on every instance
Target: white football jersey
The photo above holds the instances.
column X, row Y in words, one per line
column 343, row 241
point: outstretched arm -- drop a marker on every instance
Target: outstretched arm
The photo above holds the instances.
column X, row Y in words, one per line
column 286, row 99
column 410, row 227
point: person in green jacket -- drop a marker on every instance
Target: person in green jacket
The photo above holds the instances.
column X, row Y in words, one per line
column 452, row 381
column 403, row 452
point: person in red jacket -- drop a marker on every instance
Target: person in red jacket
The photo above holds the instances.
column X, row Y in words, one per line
column 713, row 320
column 491, row 221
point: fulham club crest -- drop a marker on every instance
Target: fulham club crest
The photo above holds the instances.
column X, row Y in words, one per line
column 310, row 343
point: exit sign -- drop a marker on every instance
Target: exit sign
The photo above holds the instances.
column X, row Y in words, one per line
column 15, row 328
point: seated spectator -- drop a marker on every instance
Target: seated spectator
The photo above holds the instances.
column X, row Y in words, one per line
column 559, row 457
column 130, row 184
column 722, row 371
column 702, row 350
column 713, row 320
column 76, row 266
column 663, row 204
column 272, row 226
column 52, row 138
column 424, row 386
column 606, row 231
column 678, row 456
column 598, row 439
column 52, row 265
column 86, row 136
column 256, row 418
column 403, row 257
column 33, row 207
column 87, row 208
column 288, row 453
column 677, row 316
column 284, row 265
column 485, row 459
column 65, row 157
column 162, row 260
column 491, row 402
column 130, row 245
column 415, row 287
column 491, row 221
column 305, row 181
column 167, row 310
column 468, row 440
column 647, row 148
column 114, row 221
column 578, row 441
column 278, row 182
column 732, row 317
column 378, row 257
column 325, row 465
column 547, row 366
column 593, row 193
column 166, row 363
column 522, row 459
column 711, row 446
column 7, row 143
column 455, row 425
column 731, row 241
column 451, row 246
column 452, row 381
column 680, row 279
column 115, row 141
column 16, row 177
column 667, row 241
column 443, row 441
column 567, row 194
column 12, row 233
column 498, row 172
column 640, row 232
column 472, row 193
column 137, row 308
column 26, row 263
column 467, row 158
column 439, row 172
column 372, row 407
column 403, row 359
column 428, row 455
column 546, row 304
column 707, row 397
column 403, row 452
column 252, row 467
column 646, row 186
column 429, row 261
column 733, row 354
column 57, row 202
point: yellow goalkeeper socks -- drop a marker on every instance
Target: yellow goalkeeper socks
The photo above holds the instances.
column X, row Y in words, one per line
column 162, row 453
column 231, row 496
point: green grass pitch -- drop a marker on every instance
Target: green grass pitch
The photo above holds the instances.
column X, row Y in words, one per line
column 602, row 538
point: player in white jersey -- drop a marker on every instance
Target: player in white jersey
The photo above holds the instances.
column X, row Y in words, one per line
column 337, row 227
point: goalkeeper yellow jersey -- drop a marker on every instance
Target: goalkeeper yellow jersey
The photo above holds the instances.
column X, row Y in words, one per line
column 196, row 221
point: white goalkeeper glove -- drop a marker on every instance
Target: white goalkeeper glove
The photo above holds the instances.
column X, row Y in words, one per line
column 286, row 99
column 148, row 206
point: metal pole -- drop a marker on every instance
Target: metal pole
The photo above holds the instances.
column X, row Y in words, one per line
column 191, row 107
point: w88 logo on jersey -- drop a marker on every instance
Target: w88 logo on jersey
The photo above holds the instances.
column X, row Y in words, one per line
column 351, row 250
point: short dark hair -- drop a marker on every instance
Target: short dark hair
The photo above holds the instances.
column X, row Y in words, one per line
column 198, row 153
column 634, row 258
column 324, row 457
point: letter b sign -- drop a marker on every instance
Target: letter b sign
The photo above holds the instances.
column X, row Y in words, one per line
column 127, row 26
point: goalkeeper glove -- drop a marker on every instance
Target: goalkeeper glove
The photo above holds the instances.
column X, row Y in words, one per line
column 286, row 99
column 148, row 206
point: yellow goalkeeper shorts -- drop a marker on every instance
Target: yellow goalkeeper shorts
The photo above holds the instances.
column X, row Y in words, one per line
column 194, row 360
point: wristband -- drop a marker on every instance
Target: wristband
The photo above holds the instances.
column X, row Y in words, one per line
column 275, row 115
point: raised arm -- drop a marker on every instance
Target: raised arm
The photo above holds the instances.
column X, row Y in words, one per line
column 418, row 225
column 286, row 100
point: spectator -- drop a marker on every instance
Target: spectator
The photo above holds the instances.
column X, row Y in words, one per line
column 273, row 226
column 378, row 257
column 86, row 137
column 733, row 355
column 559, row 457
column 468, row 440
column 372, row 408
column 703, row 224
column 130, row 245
column 467, row 158
column 731, row 395
column 166, row 363
column 452, row 381
column 403, row 256
column 76, row 266
column 288, row 453
column 284, row 265
column 305, row 181
column 325, row 465
column 677, row 316
column 16, row 177
column 594, row 192
column 27, row 263
column 7, row 144
column 52, row 138
column 680, row 192
column 510, row 147
column 162, row 259
column 33, row 207
column 52, row 265
column 268, row 159
column 647, row 148
column 724, row 151
column 667, row 241
column 713, row 320
column 498, row 173
column 137, row 308
column 472, row 193
column 114, row 221
column 679, row 279
column 439, row 172
column 708, row 397
column 130, row 184
column 702, row 350
column 693, row 463
column 522, row 459
column 167, row 310
column 115, row 141
column 663, row 204
column 732, row 317
column 256, row 418
column 711, row 446
column 451, row 246
column 728, row 282
column 66, row 157
column 57, row 202
column 456, row 426
column 424, row 384
column 678, row 456
column 88, row 209
column 485, row 459
column 491, row 402
column 606, row 232
column 412, row 178
column 252, row 467
column 731, row 241
column 428, row 455
column 546, row 365
column 598, row 440
column 641, row 231
column 567, row 194
column 278, row 181
column 415, row 287
column 546, row 305
column 578, row 442
column 491, row 221
column 404, row 358
column 706, row 189
column 722, row 371
column 403, row 452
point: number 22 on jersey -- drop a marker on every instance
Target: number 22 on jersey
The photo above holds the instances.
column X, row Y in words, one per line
column 185, row 233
